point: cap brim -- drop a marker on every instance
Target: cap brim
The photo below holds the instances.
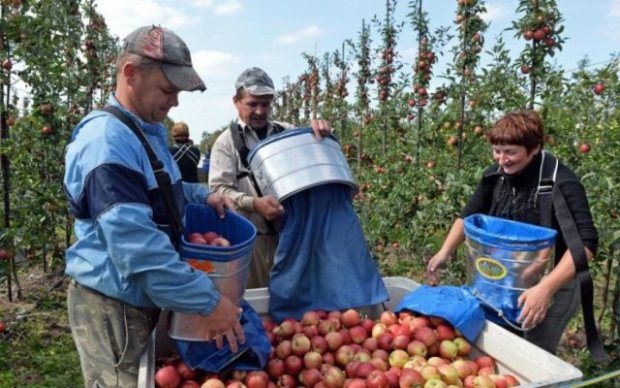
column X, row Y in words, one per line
column 260, row 90
column 183, row 77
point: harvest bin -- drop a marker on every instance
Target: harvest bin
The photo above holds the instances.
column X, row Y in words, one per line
column 533, row 366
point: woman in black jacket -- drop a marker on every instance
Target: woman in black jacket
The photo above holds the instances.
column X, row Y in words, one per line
column 509, row 190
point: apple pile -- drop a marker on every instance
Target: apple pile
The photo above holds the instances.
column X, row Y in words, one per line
column 208, row 238
column 345, row 349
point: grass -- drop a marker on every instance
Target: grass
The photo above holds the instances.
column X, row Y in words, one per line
column 37, row 349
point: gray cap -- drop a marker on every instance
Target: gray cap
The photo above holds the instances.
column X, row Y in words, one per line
column 165, row 47
column 256, row 82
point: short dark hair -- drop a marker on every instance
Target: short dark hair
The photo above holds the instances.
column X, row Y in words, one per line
column 139, row 61
column 524, row 128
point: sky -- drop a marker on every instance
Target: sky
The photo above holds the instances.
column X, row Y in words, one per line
column 228, row 36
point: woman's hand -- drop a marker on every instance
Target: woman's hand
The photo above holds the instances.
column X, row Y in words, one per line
column 219, row 202
column 534, row 303
column 433, row 265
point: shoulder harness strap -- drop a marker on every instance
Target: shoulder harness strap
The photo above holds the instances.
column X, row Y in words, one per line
column 163, row 179
column 546, row 180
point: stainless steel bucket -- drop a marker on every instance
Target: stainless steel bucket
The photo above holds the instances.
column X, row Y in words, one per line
column 229, row 278
column 504, row 259
column 227, row 267
column 296, row 160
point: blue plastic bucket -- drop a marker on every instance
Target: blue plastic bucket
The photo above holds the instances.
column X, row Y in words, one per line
column 228, row 267
column 505, row 258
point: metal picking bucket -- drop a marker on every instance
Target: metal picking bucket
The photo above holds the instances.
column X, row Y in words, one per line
column 227, row 267
column 296, row 160
column 504, row 259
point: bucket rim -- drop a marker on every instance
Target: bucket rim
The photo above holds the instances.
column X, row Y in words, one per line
column 283, row 135
column 544, row 239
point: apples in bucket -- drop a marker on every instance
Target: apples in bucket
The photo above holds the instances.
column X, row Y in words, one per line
column 208, row 238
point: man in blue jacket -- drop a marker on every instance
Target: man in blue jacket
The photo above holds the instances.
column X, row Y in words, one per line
column 123, row 266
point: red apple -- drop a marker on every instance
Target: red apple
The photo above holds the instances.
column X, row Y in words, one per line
column 401, row 341
column 410, row 378
column 313, row 360
column 398, row 358
column 329, row 358
column 417, row 348
column 185, row 371
column 358, row 334
column 287, row 381
column 257, row 379
column 464, row 347
column 483, row 382
column 220, row 242
column 448, row 349
column 167, row 377
column 293, row 365
column 426, row 335
column 283, row 349
column 371, row 344
column 300, row 344
column 334, row 340
column 485, row 361
column 378, row 329
column 319, row 344
column 310, row 377
column 350, row 318
column 7, row 64
column 286, row 329
column 213, row 382
column 275, row 368
column 310, row 318
column 210, row 236
column 344, row 355
column 462, row 368
column 334, row 377
column 377, row 379
column 511, row 380
column 599, row 88
column 364, row 369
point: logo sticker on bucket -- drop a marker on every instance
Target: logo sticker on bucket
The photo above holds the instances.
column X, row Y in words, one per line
column 490, row 269
column 202, row 265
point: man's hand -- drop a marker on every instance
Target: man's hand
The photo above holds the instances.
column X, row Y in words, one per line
column 219, row 202
column 321, row 128
column 268, row 207
column 224, row 322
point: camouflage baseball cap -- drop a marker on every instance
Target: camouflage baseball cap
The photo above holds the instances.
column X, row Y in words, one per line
column 165, row 47
column 256, row 82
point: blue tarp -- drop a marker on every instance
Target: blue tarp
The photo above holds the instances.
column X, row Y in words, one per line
column 456, row 305
column 322, row 261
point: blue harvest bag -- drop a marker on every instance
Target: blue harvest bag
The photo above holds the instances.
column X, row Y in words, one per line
column 322, row 261
column 505, row 258
column 252, row 355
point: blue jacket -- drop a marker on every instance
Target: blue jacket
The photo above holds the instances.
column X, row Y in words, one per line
column 122, row 248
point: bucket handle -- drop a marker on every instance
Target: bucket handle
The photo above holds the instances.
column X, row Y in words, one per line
column 498, row 311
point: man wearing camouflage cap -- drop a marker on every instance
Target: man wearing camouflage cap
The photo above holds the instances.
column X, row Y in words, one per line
column 228, row 174
column 123, row 265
